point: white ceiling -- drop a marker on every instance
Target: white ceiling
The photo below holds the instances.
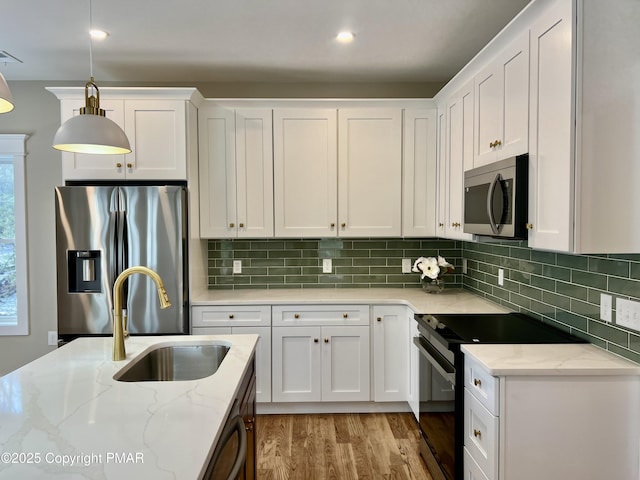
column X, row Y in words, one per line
column 249, row 40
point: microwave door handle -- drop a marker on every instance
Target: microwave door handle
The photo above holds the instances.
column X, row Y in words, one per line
column 492, row 190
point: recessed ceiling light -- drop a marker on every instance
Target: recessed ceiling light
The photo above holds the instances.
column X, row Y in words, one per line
column 345, row 37
column 98, row 34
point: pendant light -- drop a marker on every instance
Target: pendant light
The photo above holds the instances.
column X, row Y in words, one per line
column 6, row 100
column 91, row 131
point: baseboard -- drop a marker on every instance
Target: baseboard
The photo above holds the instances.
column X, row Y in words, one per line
column 331, row 407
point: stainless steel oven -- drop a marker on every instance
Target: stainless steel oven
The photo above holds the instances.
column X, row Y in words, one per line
column 441, row 376
column 437, row 412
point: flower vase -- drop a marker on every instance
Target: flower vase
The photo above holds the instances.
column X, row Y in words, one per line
column 433, row 286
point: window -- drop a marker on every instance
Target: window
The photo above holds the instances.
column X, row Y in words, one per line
column 14, row 308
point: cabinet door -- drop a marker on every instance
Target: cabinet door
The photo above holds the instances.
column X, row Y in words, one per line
column 502, row 104
column 217, row 172
column 443, row 188
column 370, row 172
column 390, row 354
column 551, row 166
column 263, row 360
column 345, row 364
column 254, row 172
column 157, row 134
column 459, row 158
column 513, row 127
column 83, row 166
column 305, row 172
column 488, row 105
column 296, row 374
column 413, row 393
column 419, row 173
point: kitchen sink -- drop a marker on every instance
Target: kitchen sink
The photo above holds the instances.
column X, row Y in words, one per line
column 175, row 363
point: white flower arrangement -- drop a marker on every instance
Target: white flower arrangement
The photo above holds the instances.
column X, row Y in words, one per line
column 432, row 268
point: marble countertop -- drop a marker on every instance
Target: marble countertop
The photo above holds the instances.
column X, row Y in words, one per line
column 449, row 301
column 64, row 416
column 555, row 359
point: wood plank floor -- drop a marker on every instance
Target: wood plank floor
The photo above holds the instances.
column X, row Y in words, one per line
column 339, row 446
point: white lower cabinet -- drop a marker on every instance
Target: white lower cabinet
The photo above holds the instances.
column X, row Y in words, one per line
column 582, row 424
column 320, row 353
column 225, row 320
column 391, row 349
column 321, row 363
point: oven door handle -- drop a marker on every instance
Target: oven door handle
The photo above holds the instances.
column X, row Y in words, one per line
column 436, row 360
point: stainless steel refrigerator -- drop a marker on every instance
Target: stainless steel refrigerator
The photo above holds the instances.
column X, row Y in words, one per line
column 102, row 230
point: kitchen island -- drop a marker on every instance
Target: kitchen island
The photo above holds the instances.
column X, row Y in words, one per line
column 64, row 416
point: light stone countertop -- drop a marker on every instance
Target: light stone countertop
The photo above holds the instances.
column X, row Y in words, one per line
column 449, row 301
column 554, row 359
column 66, row 407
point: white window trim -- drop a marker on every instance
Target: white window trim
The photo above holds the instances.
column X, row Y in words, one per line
column 15, row 146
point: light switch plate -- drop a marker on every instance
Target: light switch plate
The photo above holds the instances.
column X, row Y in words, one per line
column 406, row 265
column 326, row 265
column 237, row 266
column 52, row 338
column 605, row 307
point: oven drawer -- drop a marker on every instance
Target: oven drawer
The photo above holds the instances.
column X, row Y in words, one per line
column 481, row 435
column 484, row 386
column 472, row 470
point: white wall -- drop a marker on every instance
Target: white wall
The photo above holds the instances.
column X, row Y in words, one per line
column 37, row 114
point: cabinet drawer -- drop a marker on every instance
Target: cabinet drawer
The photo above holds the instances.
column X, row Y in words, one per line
column 481, row 434
column 238, row 316
column 287, row 315
column 472, row 470
column 484, row 386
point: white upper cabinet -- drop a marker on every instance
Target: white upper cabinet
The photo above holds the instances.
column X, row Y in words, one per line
column 236, row 172
column 305, row 172
column 551, row 171
column 370, row 172
column 337, row 172
column 419, row 182
column 455, row 139
column 584, row 127
column 156, row 124
column 502, row 104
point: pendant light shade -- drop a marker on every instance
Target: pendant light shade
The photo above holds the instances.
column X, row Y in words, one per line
column 6, row 100
column 91, row 131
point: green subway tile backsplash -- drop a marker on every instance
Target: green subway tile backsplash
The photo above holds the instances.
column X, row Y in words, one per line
column 558, row 288
column 366, row 262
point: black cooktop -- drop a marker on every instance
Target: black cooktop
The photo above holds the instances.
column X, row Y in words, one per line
column 456, row 329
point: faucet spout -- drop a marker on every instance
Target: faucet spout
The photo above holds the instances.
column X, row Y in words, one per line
column 120, row 327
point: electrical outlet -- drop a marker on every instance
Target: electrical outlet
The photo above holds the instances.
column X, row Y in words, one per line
column 628, row 314
column 501, row 277
column 605, row 307
column 52, row 338
column 464, row 266
column 326, row 265
column 237, row 266
column 406, row 265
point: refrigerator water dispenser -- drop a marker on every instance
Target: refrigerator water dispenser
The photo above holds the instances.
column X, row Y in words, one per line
column 84, row 271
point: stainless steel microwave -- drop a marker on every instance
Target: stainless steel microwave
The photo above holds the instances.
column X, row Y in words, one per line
column 495, row 198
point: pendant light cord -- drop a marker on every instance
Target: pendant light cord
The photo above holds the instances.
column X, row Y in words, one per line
column 90, row 40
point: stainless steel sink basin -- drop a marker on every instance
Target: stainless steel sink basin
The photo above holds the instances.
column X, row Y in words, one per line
column 175, row 363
